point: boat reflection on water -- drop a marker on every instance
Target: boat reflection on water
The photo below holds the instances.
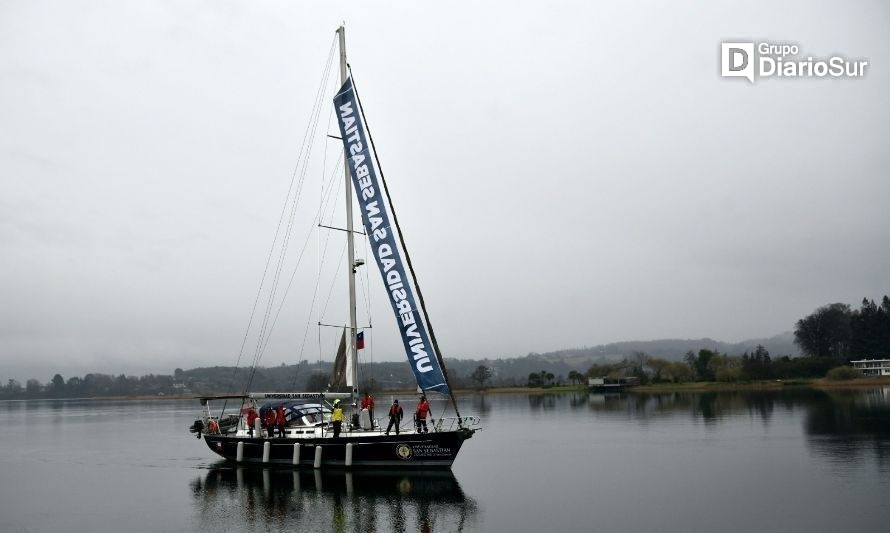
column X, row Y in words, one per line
column 235, row 498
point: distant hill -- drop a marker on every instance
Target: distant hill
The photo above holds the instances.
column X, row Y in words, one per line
column 505, row 371
column 384, row 374
column 671, row 349
column 515, row 371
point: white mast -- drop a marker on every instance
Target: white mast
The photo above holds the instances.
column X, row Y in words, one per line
column 351, row 356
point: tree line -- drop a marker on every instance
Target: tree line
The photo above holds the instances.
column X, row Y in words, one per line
column 829, row 337
column 305, row 376
column 711, row 365
column 88, row 386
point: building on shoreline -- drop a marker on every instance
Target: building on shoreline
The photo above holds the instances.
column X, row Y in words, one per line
column 873, row 367
column 612, row 384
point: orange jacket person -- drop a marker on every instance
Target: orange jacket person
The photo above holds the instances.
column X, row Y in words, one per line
column 423, row 408
column 395, row 416
column 368, row 403
column 269, row 421
column 251, row 420
column 280, row 420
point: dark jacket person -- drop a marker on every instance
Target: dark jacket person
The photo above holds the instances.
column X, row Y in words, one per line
column 395, row 416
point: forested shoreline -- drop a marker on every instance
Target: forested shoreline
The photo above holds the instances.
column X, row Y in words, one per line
column 829, row 338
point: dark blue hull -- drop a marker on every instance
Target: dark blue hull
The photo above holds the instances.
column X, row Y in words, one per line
column 424, row 450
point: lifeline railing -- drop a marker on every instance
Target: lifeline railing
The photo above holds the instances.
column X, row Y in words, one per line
column 449, row 423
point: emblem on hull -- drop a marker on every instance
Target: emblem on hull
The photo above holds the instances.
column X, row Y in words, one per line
column 403, row 451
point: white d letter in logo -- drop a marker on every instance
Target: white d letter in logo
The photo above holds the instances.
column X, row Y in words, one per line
column 737, row 60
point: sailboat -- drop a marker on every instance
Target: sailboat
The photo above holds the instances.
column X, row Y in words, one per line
column 308, row 438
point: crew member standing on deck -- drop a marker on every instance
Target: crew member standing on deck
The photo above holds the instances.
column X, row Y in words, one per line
column 368, row 403
column 423, row 409
column 337, row 418
column 395, row 416
column 251, row 420
column 269, row 422
column 280, row 420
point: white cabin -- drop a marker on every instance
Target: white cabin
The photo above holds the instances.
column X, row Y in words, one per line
column 873, row 367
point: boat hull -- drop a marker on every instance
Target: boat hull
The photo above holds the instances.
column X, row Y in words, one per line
column 415, row 450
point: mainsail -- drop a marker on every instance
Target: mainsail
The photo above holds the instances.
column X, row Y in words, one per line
column 339, row 377
column 376, row 219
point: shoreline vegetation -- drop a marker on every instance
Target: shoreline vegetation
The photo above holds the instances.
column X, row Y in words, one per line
column 831, row 339
column 700, row 386
column 659, row 388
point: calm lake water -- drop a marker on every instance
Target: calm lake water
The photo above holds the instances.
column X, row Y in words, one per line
column 794, row 460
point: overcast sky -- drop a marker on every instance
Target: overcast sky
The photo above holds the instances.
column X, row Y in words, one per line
column 566, row 174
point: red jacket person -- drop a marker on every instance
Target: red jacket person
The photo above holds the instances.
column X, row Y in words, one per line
column 423, row 409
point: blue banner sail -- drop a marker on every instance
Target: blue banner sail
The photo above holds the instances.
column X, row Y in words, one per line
column 381, row 234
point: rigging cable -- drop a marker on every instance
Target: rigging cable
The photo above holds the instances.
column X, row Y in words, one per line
column 319, row 218
column 289, row 284
column 266, row 329
column 287, row 291
column 305, row 148
column 318, row 261
column 327, row 193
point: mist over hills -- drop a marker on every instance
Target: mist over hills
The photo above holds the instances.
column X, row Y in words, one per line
column 391, row 374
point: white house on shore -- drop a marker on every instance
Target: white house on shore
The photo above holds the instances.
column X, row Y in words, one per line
column 873, row 367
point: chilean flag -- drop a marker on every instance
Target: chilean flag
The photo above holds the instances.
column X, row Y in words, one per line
column 360, row 341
